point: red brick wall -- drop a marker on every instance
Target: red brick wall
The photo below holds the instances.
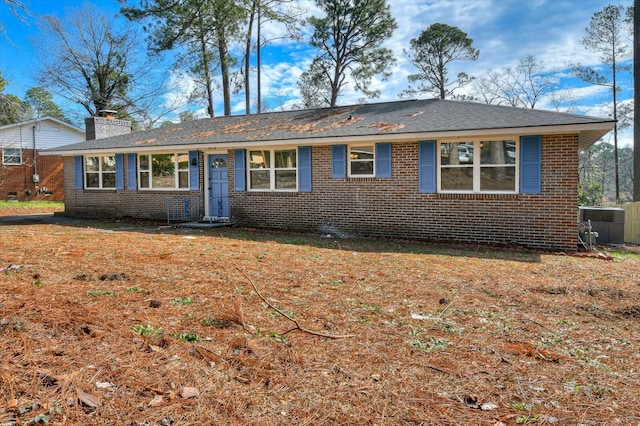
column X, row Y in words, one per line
column 394, row 208
column 19, row 179
column 106, row 203
column 383, row 207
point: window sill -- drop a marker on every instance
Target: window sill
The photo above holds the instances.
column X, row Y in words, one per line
column 167, row 189
column 364, row 179
column 269, row 192
column 478, row 196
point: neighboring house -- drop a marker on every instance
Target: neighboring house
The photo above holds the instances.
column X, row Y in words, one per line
column 433, row 170
column 24, row 174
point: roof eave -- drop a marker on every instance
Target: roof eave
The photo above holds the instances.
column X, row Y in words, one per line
column 588, row 133
column 70, row 126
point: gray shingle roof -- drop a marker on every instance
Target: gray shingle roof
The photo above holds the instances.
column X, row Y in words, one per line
column 410, row 118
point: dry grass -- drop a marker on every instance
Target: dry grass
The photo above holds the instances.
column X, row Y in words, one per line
column 115, row 324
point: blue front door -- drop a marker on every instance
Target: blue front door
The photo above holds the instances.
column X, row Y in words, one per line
column 218, row 186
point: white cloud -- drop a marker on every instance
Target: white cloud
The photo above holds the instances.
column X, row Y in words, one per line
column 181, row 86
column 503, row 31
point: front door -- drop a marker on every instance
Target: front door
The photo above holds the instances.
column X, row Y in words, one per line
column 218, row 186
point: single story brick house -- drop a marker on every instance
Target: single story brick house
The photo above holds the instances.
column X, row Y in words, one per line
column 435, row 170
column 24, row 174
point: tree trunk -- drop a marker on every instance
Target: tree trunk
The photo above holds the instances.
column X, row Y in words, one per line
column 207, row 78
column 636, row 96
column 442, row 73
column 258, row 63
column 223, row 50
column 615, row 129
column 247, row 63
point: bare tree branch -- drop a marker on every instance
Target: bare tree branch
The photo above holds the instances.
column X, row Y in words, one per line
column 284, row 314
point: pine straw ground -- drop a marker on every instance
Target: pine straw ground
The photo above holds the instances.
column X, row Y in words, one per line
column 120, row 324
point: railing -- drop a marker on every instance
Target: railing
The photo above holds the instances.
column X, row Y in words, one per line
column 219, row 208
column 183, row 208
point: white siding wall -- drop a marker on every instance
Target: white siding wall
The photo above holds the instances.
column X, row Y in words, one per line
column 15, row 137
column 49, row 134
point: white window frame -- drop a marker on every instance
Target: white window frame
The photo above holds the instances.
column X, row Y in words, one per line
column 6, row 156
column 352, row 160
column 101, row 173
column 176, row 172
column 477, row 167
column 272, row 169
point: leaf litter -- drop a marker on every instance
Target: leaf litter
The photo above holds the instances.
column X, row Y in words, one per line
column 434, row 334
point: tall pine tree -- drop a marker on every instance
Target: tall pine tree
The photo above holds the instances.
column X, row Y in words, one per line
column 349, row 40
column 604, row 36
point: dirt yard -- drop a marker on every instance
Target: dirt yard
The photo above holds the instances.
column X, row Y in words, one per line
column 116, row 323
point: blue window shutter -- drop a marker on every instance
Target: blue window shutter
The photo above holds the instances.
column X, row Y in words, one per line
column 383, row 160
column 119, row 171
column 78, row 171
column 530, row 164
column 239, row 170
column 132, row 171
column 338, row 161
column 194, row 172
column 427, row 167
column 304, row 168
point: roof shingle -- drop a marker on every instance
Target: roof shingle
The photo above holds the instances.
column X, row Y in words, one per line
column 379, row 120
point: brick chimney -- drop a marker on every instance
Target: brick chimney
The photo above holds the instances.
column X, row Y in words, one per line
column 105, row 125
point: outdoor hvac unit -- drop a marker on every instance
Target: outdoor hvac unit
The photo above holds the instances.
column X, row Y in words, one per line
column 608, row 222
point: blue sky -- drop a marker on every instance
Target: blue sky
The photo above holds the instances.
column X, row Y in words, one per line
column 503, row 31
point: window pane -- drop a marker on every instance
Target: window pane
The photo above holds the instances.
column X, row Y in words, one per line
column 108, row 180
column 92, row 164
column 498, row 178
column 144, row 162
column 361, row 168
column 183, row 161
column 162, row 164
column 259, row 159
column 286, row 179
column 285, row 159
column 93, row 180
column 11, row 156
column 183, row 179
column 457, row 178
column 464, row 152
column 362, row 153
column 144, row 179
column 162, row 173
column 108, row 164
column 259, row 179
column 219, row 163
column 498, row 152
column 163, row 181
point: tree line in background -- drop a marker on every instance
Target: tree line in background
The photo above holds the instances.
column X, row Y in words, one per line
column 37, row 102
column 91, row 60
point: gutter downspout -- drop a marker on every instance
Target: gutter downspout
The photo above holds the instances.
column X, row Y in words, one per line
column 35, row 162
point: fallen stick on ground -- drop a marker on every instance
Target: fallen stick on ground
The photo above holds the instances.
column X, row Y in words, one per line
column 298, row 326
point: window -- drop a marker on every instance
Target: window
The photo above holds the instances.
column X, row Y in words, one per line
column 362, row 161
column 478, row 166
column 273, row 170
column 12, row 156
column 164, row 171
column 100, row 172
